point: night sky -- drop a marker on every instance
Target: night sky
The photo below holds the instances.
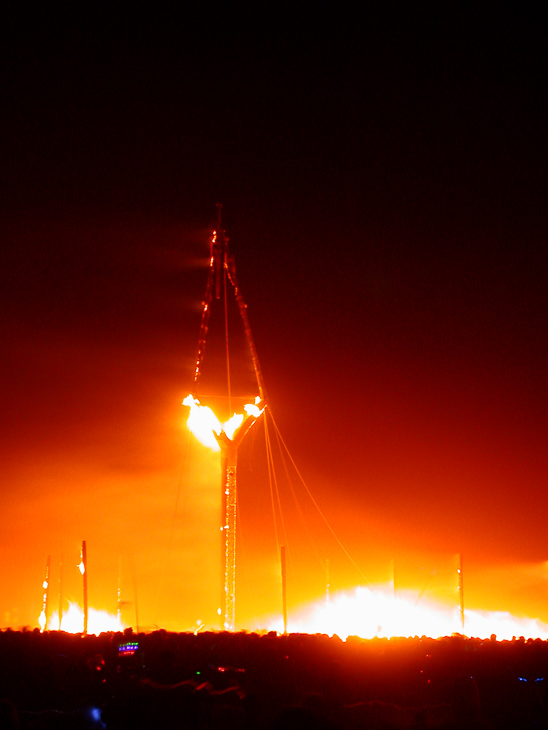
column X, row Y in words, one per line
column 383, row 181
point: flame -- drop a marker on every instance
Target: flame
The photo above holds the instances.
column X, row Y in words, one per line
column 73, row 621
column 204, row 424
column 233, row 424
column 376, row 612
column 252, row 409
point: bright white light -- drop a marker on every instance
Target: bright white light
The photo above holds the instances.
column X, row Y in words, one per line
column 374, row 612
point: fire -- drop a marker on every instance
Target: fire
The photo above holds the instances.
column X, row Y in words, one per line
column 204, row 424
column 73, row 621
column 232, row 425
column 376, row 612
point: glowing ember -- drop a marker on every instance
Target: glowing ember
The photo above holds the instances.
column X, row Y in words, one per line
column 204, row 424
column 376, row 612
column 73, row 621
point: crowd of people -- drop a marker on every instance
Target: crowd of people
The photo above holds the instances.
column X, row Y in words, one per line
column 244, row 681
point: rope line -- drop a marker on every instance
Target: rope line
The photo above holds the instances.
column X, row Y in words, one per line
column 271, row 460
column 316, row 505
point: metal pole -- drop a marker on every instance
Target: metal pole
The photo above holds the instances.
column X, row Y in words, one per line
column 60, row 592
column 229, row 457
column 119, row 592
column 45, row 585
column 284, row 587
column 461, row 592
column 224, row 528
column 134, row 578
column 85, row 578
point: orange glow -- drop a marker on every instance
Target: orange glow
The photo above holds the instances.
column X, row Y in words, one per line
column 73, row 621
column 376, row 612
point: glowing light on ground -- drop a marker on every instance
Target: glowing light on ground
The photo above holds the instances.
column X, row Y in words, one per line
column 73, row 621
column 376, row 612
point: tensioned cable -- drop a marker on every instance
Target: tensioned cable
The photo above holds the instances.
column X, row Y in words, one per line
column 297, row 504
column 272, row 480
column 331, row 530
column 227, row 347
column 270, row 467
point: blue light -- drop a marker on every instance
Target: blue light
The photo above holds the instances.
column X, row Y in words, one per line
column 94, row 714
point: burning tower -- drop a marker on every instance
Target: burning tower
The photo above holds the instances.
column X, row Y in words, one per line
column 228, row 436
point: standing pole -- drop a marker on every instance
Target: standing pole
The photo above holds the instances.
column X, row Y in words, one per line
column 60, row 592
column 43, row 620
column 135, row 597
column 119, row 592
column 229, row 458
column 224, row 540
column 84, row 571
column 461, row 592
column 284, row 587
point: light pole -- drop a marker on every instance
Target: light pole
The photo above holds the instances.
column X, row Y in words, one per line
column 43, row 620
column 84, row 571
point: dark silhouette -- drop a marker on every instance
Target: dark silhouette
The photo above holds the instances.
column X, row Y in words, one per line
column 243, row 681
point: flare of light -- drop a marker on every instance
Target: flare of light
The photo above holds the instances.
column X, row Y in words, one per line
column 204, row 424
column 82, row 567
column 98, row 621
column 42, row 621
column 376, row 612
